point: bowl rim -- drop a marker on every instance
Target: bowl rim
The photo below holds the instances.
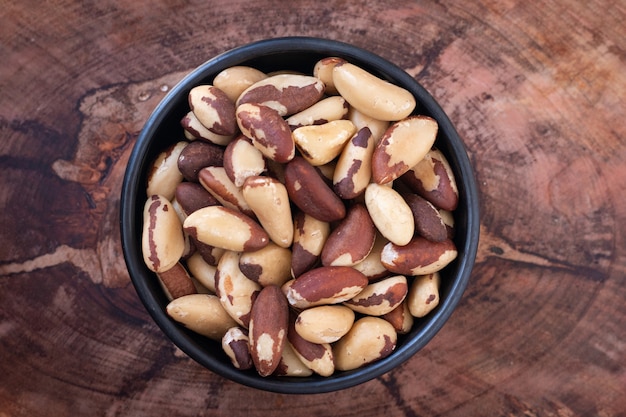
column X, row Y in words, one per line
column 180, row 337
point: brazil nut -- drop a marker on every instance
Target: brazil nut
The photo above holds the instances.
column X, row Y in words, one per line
column 370, row 339
column 354, row 166
column 234, row 80
column 371, row 95
column 419, row 257
column 352, row 240
column 213, row 109
column 285, row 93
column 202, row 313
column 390, row 213
column 164, row 174
column 162, row 239
column 267, row 130
column 226, row 228
column 403, row 145
column 423, row 294
column 380, row 297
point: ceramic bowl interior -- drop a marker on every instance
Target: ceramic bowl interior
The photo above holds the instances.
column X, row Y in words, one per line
column 163, row 128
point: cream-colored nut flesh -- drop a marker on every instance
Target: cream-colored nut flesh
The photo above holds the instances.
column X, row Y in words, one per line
column 320, row 144
column 202, row 271
column 234, row 80
column 225, row 228
column 235, row 291
column 162, row 239
column 369, row 339
column 164, row 174
column 371, row 95
column 390, row 213
column 404, row 144
column 324, row 111
column 423, row 294
column 269, row 201
column 202, row 313
column 324, row 324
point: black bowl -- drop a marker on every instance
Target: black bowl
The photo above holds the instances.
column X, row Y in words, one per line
column 163, row 128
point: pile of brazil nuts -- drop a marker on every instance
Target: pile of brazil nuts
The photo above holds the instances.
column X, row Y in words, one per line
column 302, row 220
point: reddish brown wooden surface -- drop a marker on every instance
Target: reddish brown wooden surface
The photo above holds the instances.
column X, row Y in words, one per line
column 537, row 91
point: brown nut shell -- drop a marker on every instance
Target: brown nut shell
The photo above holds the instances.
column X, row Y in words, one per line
column 285, row 93
column 269, row 321
column 236, row 345
column 176, row 282
column 352, row 240
column 197, row 155
column 428, row 221
column 433, row 179
column 310, row 193
column 324, row 285
column 213, row 109
column 309, row 238
column 267, row 130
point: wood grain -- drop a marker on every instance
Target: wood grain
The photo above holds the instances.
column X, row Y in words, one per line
column 537, row 90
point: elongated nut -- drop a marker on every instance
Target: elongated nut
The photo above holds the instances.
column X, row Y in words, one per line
column 324, row 285
column 197, row 155
column 242, row 160
column 235, row 291
column 380, row 297
column 309, row 238
column 234, row 80
column 404, row 144
column 324, row 111
column 354, row 166
column 370, row 339
column 433, row 179
column 164, row 175
column 213, row 109
column 267, row 130
column 390, row 213
column 285, row 93
column 269, row 201
column 352, row 240
column 316, row 356
column 162, row 239
column 202, row 313
column 419, row 257
column 225, row 228
column 291, row 365
column 202, row 271
column 196, row 130
column 423, row 294
column 310, row 193
column 324, row 324
column 270, row 265
column 176, row 282
column 323, row 69
column 428, row 221
column 371, row 95
column 320, row 144
column 269, row 321
column 216, row 181
column 236, row 345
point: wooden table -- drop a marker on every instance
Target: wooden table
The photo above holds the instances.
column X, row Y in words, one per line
column 536, row 89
